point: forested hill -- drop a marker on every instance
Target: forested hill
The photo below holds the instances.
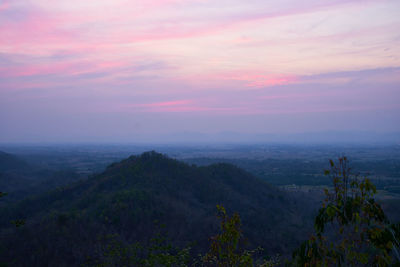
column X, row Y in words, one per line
column 64, row 226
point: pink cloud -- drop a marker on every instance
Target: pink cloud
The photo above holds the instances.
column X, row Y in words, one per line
column 62, row 68
column 37, row 30
column 321, row 39
column 47, row 32
column 39, row 69
column 273, row 97
column 179, row 106
column 265, row 81
column 4, row 5
column 214, row 25
column 255, row 80
column 42, row 28
column 166, row 104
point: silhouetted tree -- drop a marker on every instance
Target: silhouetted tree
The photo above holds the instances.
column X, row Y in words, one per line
column 359, row 233
column 226, row 248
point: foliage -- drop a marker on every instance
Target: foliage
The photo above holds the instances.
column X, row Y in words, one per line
column 159, row 252
column 18, row 222
column 131, row 194
column 225, row 248
column 359, row 233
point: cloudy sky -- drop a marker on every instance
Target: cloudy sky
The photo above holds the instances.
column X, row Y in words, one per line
column 120, row 70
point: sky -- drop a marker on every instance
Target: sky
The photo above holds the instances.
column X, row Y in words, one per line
column 131, row 71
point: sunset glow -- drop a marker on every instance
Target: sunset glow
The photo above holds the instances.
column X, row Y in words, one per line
column 244, row 64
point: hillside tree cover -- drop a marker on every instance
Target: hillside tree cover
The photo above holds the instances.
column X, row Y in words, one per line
column 107, row 220
column 226, row 247
column 351, row 230
column 351, row 227
column 67, row 225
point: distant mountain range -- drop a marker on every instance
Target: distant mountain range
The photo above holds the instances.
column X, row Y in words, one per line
column 64, row 226
column 325, row 137
column 224, row 137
